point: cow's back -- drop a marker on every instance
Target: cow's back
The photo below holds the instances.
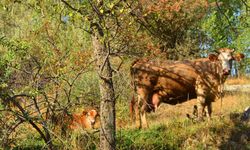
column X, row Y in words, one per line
column 174, row 81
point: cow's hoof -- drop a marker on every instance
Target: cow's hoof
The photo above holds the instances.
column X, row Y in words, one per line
column 200, row 119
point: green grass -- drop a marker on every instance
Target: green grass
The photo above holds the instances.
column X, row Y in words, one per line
column 183, row 134
column 31, row 142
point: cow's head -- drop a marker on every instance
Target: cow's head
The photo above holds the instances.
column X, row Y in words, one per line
column 91, row 116
column 226, row 57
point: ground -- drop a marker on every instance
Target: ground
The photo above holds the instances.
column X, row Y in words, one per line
column 169, row 127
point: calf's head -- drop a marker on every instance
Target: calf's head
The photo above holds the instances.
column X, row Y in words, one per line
column 92, row 116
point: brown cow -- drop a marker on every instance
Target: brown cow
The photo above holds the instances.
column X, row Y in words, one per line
column 174, row 82
column 85, row 120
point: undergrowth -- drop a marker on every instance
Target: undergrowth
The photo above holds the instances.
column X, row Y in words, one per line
column 220, row 133
column 169, row 130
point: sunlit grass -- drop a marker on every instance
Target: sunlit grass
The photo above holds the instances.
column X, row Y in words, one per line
column 170, row 129
column 238, row 80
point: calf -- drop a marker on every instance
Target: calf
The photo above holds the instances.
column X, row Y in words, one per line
column 85, row 120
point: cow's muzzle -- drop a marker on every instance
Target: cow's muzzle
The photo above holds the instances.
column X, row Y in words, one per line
column 226, row 72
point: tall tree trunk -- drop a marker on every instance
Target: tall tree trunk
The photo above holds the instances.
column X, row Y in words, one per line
column 107, row 106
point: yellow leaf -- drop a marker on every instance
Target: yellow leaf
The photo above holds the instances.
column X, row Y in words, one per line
column 111, row 5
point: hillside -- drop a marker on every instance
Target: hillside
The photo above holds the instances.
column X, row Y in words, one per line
column 170, row 128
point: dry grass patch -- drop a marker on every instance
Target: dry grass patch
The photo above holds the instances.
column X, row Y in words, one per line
column 170, row 129
column 239, row 80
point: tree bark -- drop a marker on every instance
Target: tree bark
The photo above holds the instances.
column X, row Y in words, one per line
column 107, row 105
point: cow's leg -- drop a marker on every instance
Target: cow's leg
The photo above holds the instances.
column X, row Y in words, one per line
column 201, row 91
column 137, row 114
column 141, row 109
column 209, row 109
column 143, row 116
column 140, row 115
column 201, row 106
column 132, row 108
column 144, row 105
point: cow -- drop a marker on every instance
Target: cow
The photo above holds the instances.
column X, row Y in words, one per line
column 173, row 82
column 85, row 120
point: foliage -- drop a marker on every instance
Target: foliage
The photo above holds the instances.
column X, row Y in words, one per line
column 227, row 25
column 47, row 61
column 173, row 24
column 38, row 71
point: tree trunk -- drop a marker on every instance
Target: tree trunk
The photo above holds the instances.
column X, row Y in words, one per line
column 107, row 106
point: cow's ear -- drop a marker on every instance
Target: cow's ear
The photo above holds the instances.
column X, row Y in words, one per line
column 212, row 57
column 221, row 50
column 238, row 57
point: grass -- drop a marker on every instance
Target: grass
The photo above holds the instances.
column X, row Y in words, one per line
column 239, row 80
column 169, row 129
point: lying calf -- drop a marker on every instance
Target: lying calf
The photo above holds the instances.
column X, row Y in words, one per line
column 85, row 120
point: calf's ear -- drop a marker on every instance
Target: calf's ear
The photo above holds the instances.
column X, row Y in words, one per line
column 238, row 57
column 212, row 57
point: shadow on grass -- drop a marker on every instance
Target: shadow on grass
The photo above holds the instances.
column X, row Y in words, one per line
column 239, row 136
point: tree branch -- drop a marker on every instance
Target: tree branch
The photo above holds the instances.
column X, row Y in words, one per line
column 71, row 7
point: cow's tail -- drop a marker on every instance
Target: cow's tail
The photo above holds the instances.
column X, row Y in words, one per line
column 132, row 103
column 132, row 109
column 132, row 74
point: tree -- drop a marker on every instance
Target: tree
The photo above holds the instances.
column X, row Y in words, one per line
column 100, row 23
column 226, row 25
column 48, row 50
column 38, row 72
column 173, row 24
column 112, row 32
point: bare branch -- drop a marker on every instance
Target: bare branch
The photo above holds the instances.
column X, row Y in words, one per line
column 71, row 7
column 228, row 20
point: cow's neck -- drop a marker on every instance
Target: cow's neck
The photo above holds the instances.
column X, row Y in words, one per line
column 211, row 68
